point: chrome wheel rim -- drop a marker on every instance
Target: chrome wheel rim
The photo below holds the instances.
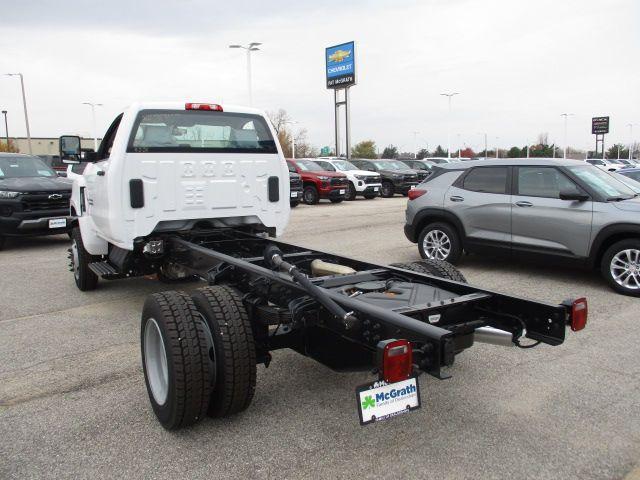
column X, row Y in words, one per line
column 155, row 362
column 436, row 245
column 75, row 259
column 386, row 189
column 625, row 268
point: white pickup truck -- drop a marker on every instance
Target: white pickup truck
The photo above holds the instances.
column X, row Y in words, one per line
column 172, row 167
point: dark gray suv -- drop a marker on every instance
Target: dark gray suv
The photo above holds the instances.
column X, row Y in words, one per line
column 561, row 209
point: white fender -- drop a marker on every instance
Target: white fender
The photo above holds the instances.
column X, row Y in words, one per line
column 93, row 244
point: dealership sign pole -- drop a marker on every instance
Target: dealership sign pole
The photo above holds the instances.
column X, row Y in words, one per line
column 599, row 127
column 340, row 70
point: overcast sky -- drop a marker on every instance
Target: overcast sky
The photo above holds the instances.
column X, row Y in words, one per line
column 517, row 64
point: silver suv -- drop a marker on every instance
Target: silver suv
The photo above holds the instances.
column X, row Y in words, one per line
column 561, row 209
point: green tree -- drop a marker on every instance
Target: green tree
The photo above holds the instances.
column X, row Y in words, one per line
column 364, row 149
column 514, row 152
column 440, row 152
column 423, row 153
column 612, row 152
column 390, row 152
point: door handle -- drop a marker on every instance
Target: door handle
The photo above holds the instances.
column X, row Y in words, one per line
column 456, row 198
column 524, row 204
column 100, row 173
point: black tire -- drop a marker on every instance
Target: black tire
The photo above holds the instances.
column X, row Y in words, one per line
column 633, row 262
column 310, row 195
column 234, row 351
column 351, row 192
column 80, row 259
column 336, row 200
column 294, row 204
column 386, row 190
column 182, row 336
column 435, row 268
column 452, row 241
column 2, row 242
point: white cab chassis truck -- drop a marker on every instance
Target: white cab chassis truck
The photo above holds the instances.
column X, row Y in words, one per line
column 200, row 191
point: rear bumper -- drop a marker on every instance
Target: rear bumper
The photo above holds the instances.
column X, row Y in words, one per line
column 410, row 233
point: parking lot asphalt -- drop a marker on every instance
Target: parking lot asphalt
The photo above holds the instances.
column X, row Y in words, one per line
column 73, row 402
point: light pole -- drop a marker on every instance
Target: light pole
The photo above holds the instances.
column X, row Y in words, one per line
column 565, row 115
column 93, row 116
column 24, row 104
column 252, row 47
column 6, row 128
column 485, row 144
column 497, row 138
column 630, row 125
column 415, row 147
column 449, row 95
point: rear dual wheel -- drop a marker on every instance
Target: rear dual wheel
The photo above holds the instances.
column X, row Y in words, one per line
column 198, row 355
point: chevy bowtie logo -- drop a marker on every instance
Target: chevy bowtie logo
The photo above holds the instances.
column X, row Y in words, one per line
column 55, row 196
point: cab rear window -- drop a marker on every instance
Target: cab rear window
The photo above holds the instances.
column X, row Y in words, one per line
column 200, row 131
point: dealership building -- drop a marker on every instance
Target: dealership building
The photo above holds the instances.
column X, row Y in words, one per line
column 45, row 145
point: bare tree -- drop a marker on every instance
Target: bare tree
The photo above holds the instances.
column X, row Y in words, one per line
column 279, row 119
column 543, row 138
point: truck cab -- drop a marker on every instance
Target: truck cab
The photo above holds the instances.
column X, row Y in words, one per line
column 174, row 167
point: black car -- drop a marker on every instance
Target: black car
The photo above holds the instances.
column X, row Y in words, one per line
column 33, row 199
column 396, row 176
column 295, row 184
column 423, row 167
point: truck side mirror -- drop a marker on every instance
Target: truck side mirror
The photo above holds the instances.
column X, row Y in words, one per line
column 574, row 195
column 70, row 149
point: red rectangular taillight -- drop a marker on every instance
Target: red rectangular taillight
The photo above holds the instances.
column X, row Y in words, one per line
column 579, row 312
column 203, row 106
column 415, row 193
column 396, row 359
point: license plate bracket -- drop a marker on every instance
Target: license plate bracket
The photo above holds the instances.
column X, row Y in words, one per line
column 57, row 223
column 379, row 400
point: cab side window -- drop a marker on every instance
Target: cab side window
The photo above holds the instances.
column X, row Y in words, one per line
column 486, row 180
column 107, row 142
column 545, row 182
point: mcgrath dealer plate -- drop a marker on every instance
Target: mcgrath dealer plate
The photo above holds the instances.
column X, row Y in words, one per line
column 380, row 400
column 57, row 223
